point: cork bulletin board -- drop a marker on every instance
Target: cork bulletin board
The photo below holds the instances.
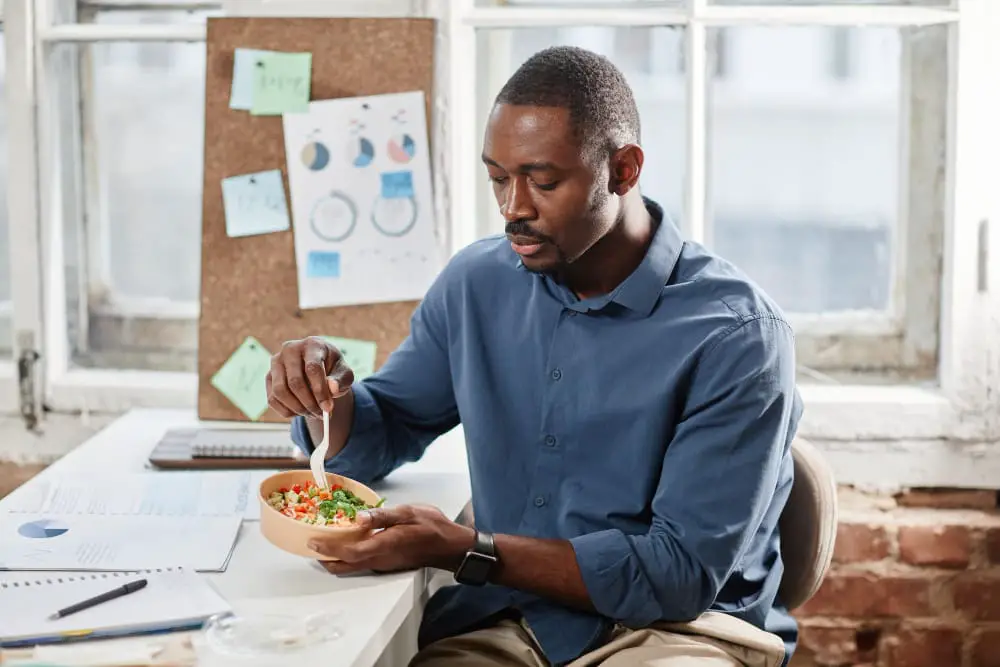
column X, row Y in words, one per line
column 249, row 284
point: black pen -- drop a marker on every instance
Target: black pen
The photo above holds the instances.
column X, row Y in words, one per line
column 130, row 587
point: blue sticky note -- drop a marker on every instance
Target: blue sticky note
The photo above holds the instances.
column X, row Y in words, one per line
column 397, row 184
column 255, row 204
column 241, row 93
column 321, row 264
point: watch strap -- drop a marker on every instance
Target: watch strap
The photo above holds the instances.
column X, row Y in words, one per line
column 484, row 544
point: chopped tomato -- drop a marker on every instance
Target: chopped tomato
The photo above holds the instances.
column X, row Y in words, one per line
column 340, row 514
column 283, row 489
column 335, row 487
column 297, row 488
column 288, row 511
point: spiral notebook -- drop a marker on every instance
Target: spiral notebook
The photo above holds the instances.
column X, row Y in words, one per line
column 173, row 599
column 201, row 448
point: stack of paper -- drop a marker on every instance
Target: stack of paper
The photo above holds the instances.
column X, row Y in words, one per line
column 126, row 522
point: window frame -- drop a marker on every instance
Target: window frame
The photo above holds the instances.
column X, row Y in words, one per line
column 851, row 422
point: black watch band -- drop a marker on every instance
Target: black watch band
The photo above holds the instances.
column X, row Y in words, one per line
column 479, row 561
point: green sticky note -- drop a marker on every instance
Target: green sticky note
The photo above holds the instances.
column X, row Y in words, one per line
column 359, row 354
column 281, row 83
column 243, row 378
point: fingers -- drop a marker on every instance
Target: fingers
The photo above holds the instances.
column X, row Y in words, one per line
column 340, row 380
column 278, row 395
column 314, row 366
column 297, row 382
column 384, row 517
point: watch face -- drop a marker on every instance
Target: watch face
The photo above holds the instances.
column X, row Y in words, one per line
column 475, row 569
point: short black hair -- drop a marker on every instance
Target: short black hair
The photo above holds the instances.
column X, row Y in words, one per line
column 600, row 102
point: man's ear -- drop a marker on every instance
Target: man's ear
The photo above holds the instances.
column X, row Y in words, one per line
column 626, row 165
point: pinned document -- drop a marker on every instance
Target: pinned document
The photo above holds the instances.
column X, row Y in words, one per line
column 281, row 83
column 255, row 204
column 243, row 378
column 358, row 354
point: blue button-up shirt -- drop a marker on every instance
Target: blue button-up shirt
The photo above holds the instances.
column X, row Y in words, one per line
column 651, row 427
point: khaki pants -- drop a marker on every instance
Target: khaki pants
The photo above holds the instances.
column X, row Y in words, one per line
column 711, row 640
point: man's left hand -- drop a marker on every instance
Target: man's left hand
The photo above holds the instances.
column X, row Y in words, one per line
column 408, row 537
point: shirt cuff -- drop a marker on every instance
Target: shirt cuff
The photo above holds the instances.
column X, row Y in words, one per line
column 615, row 582
column 364, row 456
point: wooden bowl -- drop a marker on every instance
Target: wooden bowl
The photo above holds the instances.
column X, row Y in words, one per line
column 294, row 536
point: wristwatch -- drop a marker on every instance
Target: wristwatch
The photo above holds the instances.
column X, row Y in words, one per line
column 479, row 561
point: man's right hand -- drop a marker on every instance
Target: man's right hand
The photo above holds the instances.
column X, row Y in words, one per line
column 306, row 377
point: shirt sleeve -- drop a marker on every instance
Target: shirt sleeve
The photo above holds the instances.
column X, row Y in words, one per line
column 719, row 477
column 401, row 408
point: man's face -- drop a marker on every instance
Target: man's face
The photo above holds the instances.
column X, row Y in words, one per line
column 555, row 201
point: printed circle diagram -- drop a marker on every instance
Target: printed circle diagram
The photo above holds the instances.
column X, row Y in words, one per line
column 42, row 529
column 402, row 148
column 394, row 216
column 361, row 152
column 333, row 217
column 315, row 156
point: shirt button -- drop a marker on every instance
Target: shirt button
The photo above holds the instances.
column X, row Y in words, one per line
column 550, row 440
column 556, row 374
column 539, row 501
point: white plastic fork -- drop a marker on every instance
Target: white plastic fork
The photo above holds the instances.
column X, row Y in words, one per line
column 318, row 458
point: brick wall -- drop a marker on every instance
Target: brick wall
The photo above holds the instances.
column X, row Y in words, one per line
column 915, row 583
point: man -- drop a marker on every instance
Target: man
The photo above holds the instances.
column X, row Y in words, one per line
column 627, row 399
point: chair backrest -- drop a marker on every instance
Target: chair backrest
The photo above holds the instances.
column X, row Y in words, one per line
column 808, row 525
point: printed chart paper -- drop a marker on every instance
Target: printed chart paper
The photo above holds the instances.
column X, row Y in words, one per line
column 362, row 202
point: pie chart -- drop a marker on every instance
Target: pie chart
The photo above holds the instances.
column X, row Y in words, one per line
column 42, row 529
column 361, row 152
column 333, row 217
column 402, row 148
column 315, row 156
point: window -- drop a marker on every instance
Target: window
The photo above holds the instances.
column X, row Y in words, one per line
column 142, row 133
column 838, row 151
column 652, row 73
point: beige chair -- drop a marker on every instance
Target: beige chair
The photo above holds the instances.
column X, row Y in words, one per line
column 808, row 525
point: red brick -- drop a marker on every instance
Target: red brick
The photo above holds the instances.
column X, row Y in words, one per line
column 948, row 498
column 941, row 546
column 926, row 647
column 993, row 545
column 986, row 649
column 829, row 645
column 855, row 595
column 978, row 599
column 860, row 542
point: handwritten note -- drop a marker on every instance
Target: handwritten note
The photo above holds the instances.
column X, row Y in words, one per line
column 243, row 378
column 241, row 92
column 255, row 204
column 359, row 354
column 281, row 83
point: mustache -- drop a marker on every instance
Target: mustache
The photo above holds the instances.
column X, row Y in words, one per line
column 521, row 228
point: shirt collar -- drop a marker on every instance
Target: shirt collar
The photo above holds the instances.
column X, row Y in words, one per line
column 641, row 290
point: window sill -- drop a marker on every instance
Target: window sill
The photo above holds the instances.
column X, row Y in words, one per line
column 833, row 412
column 876, row 437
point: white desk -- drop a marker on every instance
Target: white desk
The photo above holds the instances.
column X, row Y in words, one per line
column 382, row 611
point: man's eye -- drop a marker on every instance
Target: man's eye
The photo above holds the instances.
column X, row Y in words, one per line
column 547, row 186
column 498, row 179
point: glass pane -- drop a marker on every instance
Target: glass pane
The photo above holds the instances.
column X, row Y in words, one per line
column 650, row 58
column 916, row 3
column 144, row 176
column 590, row 4
column 5, row 274
column 805, row 161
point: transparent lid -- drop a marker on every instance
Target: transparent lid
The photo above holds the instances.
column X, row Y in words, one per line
column 261, row 635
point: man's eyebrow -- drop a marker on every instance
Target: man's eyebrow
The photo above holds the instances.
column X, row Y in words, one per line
column 526, row 167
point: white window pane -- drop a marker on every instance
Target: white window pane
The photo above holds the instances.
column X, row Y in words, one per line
column 805, row 162
column 590, row 4
column 651, row 60
column 144, row 129
column 923, row 3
